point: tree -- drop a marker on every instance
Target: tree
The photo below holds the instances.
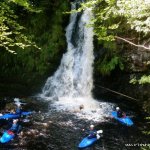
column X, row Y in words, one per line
column 110, row 15
column 119, row 21
column 11, row 32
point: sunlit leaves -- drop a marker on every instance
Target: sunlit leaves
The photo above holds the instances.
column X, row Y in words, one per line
column 120, row 18
column 143, row 80
column 10, row 30
column 26, row 4
column 137, row 14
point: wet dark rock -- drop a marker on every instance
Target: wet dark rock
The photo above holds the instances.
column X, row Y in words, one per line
column 137, row 60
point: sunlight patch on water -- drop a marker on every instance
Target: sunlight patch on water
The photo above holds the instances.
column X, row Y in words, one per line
column 69, row 123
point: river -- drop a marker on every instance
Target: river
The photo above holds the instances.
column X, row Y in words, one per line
column 53, row 129
column 59, row 118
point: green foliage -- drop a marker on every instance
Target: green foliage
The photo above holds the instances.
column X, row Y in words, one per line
column 110, row 14
column 137, row 14
column 11, row 32
column 24, row 3
column 118, row 18
column 47, row 29
column 106, row 66
column 145, row 148
column 133, row 80
column 143, row 80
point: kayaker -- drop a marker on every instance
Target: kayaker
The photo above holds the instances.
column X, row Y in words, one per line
column 19, row 109
column 120, row 113
column 93, row 133
column 16, row 127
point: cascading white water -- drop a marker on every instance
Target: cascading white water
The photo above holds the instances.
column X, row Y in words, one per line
column 72, row 83
column 74, row 76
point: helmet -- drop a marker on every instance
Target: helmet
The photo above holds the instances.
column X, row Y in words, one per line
column 91, row 126
column 100, row 131
column 18, row 104
column 117, row 108
column 15, row 120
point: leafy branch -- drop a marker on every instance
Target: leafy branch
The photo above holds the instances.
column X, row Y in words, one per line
column 11, row 32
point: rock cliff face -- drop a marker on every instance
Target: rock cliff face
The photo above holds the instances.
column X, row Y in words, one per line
column 136, row 64
column 137, row 59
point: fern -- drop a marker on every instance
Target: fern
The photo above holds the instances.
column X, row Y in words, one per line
column 106, row 66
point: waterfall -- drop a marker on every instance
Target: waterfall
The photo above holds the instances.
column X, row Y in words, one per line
column 74, row 75
column 72, row 83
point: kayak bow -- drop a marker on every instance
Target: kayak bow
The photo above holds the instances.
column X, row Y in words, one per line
column 15, row 116
column 7, row 136
column 124, row 120
column 86, row 142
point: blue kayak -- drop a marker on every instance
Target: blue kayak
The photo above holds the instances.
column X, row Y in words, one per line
column 14, row 116
column 25, row 113
column 87, row 142
column 124, row 120
column 10, row 116
column 7, row 136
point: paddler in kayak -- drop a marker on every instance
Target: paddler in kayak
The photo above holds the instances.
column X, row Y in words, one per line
column 93, row 133
column 89, row 141
column 120, row 113
column 16, row 127
column 19, row 109
column 19, row 106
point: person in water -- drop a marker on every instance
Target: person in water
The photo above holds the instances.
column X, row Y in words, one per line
column 120, row 113
column 16, row 127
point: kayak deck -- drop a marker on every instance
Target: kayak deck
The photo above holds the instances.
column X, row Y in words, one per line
column 125, row 120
